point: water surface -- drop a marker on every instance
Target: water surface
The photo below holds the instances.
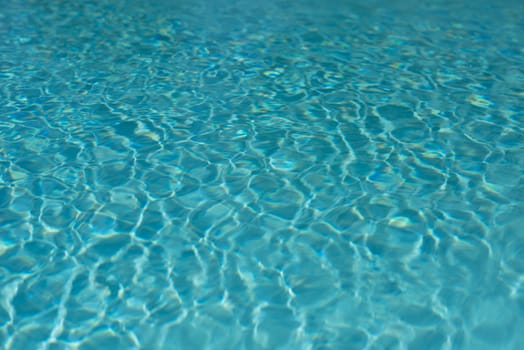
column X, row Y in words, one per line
column 283, row 175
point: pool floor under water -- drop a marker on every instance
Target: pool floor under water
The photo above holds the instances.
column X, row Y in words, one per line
column 284, row 175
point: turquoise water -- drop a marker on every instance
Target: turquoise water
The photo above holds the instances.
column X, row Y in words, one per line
column 283, row 175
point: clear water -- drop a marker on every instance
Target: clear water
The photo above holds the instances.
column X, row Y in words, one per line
column 279, row 175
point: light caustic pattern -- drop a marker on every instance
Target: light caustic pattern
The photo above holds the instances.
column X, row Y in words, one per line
column 277, row 176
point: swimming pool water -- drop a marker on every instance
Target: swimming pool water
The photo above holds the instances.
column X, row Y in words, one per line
column 275, row 175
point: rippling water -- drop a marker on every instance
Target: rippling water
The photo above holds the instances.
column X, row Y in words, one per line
column 283, row 175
